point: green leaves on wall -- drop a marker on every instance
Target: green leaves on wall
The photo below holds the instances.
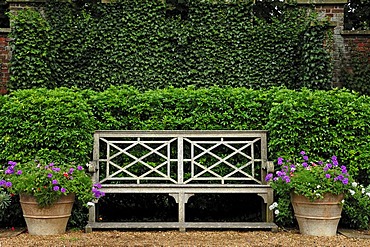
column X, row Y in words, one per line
column 138, row 44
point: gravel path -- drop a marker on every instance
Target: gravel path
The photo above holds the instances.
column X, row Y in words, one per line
column 176, row 238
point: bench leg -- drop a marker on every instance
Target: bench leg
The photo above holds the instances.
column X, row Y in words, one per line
column 181, row 199
column 92, row 218
column 268, row 199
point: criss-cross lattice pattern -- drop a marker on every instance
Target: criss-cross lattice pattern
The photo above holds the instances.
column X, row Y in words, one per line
column 175, row 158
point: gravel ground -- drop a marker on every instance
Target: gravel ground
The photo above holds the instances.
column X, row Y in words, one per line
column 176, row 238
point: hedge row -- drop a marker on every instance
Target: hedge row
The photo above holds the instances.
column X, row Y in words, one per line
column 61, row 121
column 58, row 124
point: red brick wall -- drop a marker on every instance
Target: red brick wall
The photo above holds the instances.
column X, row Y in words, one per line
column 4, row 62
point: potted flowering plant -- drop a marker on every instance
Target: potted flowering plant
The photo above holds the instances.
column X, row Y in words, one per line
column 44, row 187
column 318, row 187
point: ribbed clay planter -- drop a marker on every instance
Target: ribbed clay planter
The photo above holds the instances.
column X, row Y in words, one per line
column 320, row 217
column 49, row 220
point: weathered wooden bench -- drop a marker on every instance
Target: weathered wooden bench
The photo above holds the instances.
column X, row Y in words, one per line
column 182, row 164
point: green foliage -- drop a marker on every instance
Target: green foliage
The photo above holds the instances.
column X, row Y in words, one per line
column 31, row 32
column 46, row 124
column 355, row 74
column 149, row 44
column 356, row 209
column 179, row 108
column 325, row 124
column 5, row 201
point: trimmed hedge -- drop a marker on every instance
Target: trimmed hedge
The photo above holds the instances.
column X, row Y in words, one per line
column 60, row 122
column 46, row 124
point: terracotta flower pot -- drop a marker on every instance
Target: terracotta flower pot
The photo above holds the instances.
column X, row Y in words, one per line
column 49, row 220
column 320, row 217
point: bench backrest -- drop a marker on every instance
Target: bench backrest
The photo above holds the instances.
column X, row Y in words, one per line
column 180, row 157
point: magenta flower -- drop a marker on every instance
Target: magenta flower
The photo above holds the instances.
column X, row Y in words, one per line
column 19, row 172
column 50, row 175
column 79, row 168
column 54, row 181
column 327, row 175
column 56, row 188
column 63, row 190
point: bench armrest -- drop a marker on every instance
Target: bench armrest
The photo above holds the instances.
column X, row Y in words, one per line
column 270, row 167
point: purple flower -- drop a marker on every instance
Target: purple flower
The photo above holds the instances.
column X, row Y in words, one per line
column 56, row 169
column 327, row 175
column 99, row 185
column 19, row 172
column 80, row 168
column 320, row 162
column 12, row 163
column 8, row 184
column 71, row 170
column 302, row 152
column 10, row 170
column 56, row 188
column 280, row 173
column 334, row 160
column 340, row 177
column 63, row 190
column 286, row 179
column 268, row 177
column 305, row 157
column 50, row 175
column 344, row 169
column 345, row 181
column 54, row 181
column 304, row 164
column 51, row 164
column 2, row 182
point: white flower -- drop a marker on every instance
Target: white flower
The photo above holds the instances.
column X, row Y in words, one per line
column 276, row 212
column 368, row 194
column 363, row 190
column 273, row 206
column 352, row 192
column 318, row 186
column 342, row 201
column 318, row 194
column 354, row 184
column 90, row 204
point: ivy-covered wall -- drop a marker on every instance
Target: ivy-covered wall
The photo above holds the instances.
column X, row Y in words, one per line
column 140, row 43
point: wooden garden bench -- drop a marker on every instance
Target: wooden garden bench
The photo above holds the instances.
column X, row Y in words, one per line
column 182, row 164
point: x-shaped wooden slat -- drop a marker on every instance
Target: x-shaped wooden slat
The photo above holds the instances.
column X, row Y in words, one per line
column 125, row 151
column 223, row 160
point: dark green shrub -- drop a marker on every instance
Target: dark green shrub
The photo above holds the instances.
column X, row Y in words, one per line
column 136, row 43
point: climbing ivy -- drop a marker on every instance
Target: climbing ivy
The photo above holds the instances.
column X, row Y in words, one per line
column 155, row 44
